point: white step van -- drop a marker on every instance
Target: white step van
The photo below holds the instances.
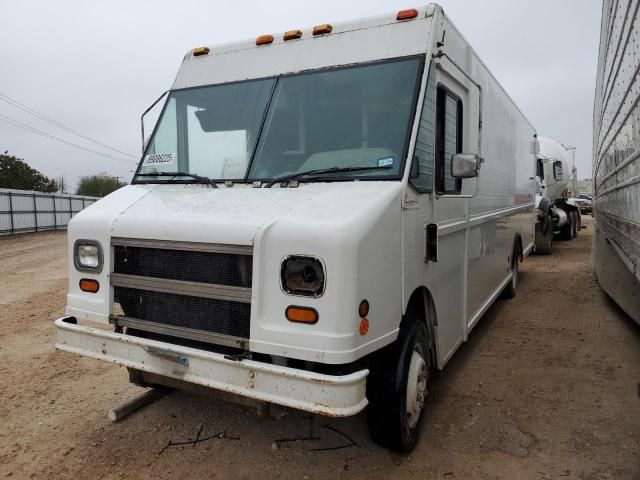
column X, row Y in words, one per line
column 318, row 221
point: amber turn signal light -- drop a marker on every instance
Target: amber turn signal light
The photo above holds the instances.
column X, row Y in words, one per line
column 407, row 14
column 200, row 51
column 264, row 40
column 320, row 29
column 364, row 326
column 292, row 34
column 301, row 314
column 88, row 285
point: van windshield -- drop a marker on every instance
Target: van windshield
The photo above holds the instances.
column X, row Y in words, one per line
column 260, row 130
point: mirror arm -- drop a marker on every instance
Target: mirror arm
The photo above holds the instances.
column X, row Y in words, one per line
column 147, row 111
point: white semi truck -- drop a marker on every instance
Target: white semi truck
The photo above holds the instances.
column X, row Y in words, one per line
column 556, row 211
column 319, row 220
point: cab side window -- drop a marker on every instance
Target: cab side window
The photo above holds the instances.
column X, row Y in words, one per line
column 448, row 139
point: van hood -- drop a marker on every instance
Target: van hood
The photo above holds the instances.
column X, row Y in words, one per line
column 353, row 228
column 233, row 215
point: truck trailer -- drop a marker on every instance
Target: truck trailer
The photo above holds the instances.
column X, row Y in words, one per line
column 318, row 221
column 616, row 157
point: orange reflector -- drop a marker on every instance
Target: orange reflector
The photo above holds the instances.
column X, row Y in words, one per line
column 320, row 29
column 301, row 314
column 407, row 14
column 88, row 285
column 363, row 309
column 292, row 34
column 364, row 326
column 264, row 39
column 200, row 51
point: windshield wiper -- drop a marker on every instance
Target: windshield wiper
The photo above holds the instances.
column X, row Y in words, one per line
column 295, row 176
column 173, row 175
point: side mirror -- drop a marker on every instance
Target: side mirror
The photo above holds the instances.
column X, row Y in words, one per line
column 465, row 165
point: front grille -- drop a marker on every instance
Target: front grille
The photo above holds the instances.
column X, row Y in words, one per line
column 196, row 313
column 193, row 292
column 193, row 266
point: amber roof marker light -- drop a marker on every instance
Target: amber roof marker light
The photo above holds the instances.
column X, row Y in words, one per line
column 197, row 52
column 407, row 14
column 322, row 29
column 292, row 35
column 264, row 40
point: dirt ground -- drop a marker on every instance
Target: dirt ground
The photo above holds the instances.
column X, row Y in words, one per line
column 547, row 387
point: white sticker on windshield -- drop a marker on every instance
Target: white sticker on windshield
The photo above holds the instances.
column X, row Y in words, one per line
column 160, row 159
column 385, row 162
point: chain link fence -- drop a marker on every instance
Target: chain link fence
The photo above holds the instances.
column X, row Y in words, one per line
column 24, row 211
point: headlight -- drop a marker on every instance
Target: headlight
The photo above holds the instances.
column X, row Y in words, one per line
column 302, row 276
column 87, row 256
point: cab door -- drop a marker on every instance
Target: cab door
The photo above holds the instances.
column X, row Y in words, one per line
column 443, row 131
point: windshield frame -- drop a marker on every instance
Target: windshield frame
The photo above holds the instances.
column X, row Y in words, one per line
column 321, row 178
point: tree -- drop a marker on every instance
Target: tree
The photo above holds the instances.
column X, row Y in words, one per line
column 15, row 173
column 98, row 185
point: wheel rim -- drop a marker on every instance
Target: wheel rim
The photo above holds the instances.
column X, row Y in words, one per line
column 416, row 386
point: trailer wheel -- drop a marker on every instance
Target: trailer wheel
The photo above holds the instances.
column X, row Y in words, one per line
column 544, row 236
column 574, row 224
column 567, row 230
column 578, row 223
column 397, row 389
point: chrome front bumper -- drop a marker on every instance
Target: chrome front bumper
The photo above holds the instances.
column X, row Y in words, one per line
column 338, row 396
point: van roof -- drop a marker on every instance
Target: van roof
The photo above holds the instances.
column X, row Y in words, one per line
column 374, row 38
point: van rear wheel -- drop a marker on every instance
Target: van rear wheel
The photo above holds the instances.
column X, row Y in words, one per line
column 397, row 389
column 510, row 290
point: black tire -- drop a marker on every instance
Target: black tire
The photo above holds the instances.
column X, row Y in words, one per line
column 566, row 231
column 509, row 291
column 544, row 236
column 574, row 226
column 390, row 424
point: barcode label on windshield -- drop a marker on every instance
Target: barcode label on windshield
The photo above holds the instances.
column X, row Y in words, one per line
column 385, row 162
column 160, row 159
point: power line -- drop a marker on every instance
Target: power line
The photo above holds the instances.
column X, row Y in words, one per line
column 41, row 116
column 15, row 123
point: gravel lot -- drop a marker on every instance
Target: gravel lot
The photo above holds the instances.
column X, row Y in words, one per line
column 547, row 387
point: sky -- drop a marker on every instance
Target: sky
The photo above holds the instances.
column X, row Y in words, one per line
column 96, row 66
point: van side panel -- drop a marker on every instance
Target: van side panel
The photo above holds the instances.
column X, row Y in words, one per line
column 475, row 235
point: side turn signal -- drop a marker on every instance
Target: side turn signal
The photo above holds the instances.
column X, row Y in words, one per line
column 301, row 314
column 88, row 285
